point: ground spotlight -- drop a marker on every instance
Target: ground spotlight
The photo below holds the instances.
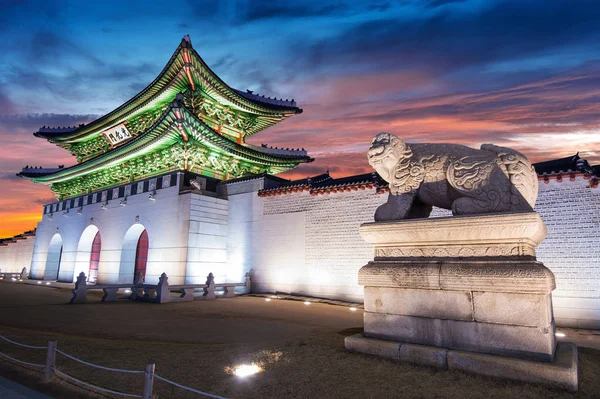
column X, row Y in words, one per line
column 353, row 309
column 559, row 334
column 244, row 370
column 307, row 303
column 268, row 299
column 48, row 283
column 39, row 282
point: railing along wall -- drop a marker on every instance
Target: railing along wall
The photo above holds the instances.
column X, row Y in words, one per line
column 50, row 370
column 14, row 275
column 158, row 293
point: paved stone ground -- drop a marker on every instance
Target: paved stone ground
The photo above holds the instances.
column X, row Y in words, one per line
column 194, row 343
column 11, row 390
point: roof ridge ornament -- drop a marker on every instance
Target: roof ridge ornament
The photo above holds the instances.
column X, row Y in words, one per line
column 188, row 40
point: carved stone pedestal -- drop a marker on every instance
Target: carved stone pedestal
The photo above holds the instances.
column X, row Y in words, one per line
column 464, row 292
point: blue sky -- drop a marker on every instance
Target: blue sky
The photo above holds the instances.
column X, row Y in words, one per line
column 520, row 73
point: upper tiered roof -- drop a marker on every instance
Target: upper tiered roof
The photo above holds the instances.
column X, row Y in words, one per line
column 186, row 119
column 186, row 72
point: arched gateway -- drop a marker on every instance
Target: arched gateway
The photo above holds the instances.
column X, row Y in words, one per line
column 54, row 257
column 134, row 253
column 87, row 259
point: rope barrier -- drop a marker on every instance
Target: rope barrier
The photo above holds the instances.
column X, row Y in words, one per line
column 188, row 388
column 97, row 366
column 23, row 345
column 94, row 386
column 64, row 375
column 21, row 361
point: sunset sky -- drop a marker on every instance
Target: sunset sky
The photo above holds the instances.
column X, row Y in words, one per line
column 524, row 74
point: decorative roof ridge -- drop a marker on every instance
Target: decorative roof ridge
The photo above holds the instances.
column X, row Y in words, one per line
column 233, row 144
column 118, row 149
column 250, row 95
column 176, row 105
column 276, row 150
column 185, row 44
column 568, row 164
column 326, row 186
column 15, row 238
column 134, row 98
column 253, row 176
column 68, row 129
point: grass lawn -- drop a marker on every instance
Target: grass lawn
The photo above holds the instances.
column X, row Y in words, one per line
column 301, row 350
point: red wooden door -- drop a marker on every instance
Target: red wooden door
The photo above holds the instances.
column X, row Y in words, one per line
column 141, row 254
column 95, row 258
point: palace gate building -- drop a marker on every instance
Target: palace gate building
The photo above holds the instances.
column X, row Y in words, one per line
column 167, row 183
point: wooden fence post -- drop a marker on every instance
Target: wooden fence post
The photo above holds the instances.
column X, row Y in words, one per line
column 50, row 360
column 148, row 381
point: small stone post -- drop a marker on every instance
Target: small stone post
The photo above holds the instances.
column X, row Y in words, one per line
column 148, row 381
column 80, row 291
column 209, row 291
column 50, row 360
column 137, row 292
column 162, row 289
column 248, row 283
column 23, row 274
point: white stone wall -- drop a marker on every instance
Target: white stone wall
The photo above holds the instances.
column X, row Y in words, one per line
column 15, row 256
column 166, row 220
column 267, row 235
column 571, row 211
column 207, row 241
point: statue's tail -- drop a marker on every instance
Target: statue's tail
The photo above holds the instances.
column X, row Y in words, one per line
column 520, row 172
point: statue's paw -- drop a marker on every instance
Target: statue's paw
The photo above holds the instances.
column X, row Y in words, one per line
column 385, row 213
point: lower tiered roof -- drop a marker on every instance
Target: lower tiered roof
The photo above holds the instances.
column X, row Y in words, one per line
column 178, row 140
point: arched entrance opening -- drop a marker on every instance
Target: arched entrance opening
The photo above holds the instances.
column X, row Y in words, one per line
column 54, row 257
column 134, row 253
column 141, row 254
column 95, row 258
column 87, row 259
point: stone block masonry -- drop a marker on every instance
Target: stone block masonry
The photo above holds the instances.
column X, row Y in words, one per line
column 334, row 250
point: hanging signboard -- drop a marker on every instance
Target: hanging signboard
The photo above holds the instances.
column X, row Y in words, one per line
column 117, row 134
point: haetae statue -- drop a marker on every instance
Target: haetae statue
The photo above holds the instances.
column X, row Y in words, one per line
column 451, row 176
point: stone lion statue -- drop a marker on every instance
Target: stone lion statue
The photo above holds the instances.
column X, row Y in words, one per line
column 451, row 176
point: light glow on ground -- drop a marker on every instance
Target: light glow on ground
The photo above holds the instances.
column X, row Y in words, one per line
column 244, row 370
column 307, row 303
column 268, row 299
column 353, row 309
column 559, row 334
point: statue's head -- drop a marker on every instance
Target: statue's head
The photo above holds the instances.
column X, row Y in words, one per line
column 384, row 153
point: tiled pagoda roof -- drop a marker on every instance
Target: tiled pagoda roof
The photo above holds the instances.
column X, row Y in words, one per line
column 572, row 163
column 166, row 131
column 16, row 238
column 325, row 184
column 185, row 69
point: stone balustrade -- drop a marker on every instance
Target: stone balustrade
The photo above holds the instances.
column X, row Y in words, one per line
column 10, row 275
column 157, row 293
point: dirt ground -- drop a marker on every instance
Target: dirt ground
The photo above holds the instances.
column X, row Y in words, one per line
column 300, row 348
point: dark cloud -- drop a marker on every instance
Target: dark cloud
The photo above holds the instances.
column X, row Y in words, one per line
column 452, row 38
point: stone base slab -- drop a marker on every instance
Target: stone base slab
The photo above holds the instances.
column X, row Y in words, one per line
column 532, row 343
column 560, row 373
column 489, row 235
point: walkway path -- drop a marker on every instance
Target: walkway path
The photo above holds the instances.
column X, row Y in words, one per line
column 11, row 390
